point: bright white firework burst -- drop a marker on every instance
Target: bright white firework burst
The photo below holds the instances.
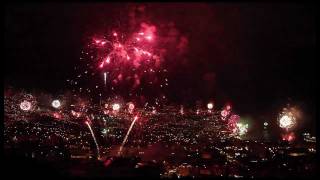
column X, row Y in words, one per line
column 56, row 103
column 116, row 107
column 210, row 106
column 242, row 128
column 25, row 105
column 287, row 121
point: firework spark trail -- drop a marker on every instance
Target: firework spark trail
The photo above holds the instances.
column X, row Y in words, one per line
column 105, row 78
column 94, row 138
column 126, row 137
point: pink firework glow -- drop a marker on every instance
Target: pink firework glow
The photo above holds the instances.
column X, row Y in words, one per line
column 288, row 137
column 233, row 120
column 25, row 105
column 132, row 61
column 123, row 62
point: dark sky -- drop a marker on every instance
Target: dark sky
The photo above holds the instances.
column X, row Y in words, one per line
column 257, row 56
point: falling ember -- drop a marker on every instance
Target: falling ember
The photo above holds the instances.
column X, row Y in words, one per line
column 126, row 137
column 108, row 60
column 105, row 78
column 101, row 65
column 124, row 60
column 25, row 105
column 94, row 138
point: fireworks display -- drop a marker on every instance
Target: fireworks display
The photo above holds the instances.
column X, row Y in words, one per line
column 286, row 121
column 124, row 62
column 166, row 90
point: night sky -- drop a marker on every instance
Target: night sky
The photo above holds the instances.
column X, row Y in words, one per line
column 256, row 56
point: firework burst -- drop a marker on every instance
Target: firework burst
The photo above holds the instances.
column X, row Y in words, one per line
column 125, row 63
